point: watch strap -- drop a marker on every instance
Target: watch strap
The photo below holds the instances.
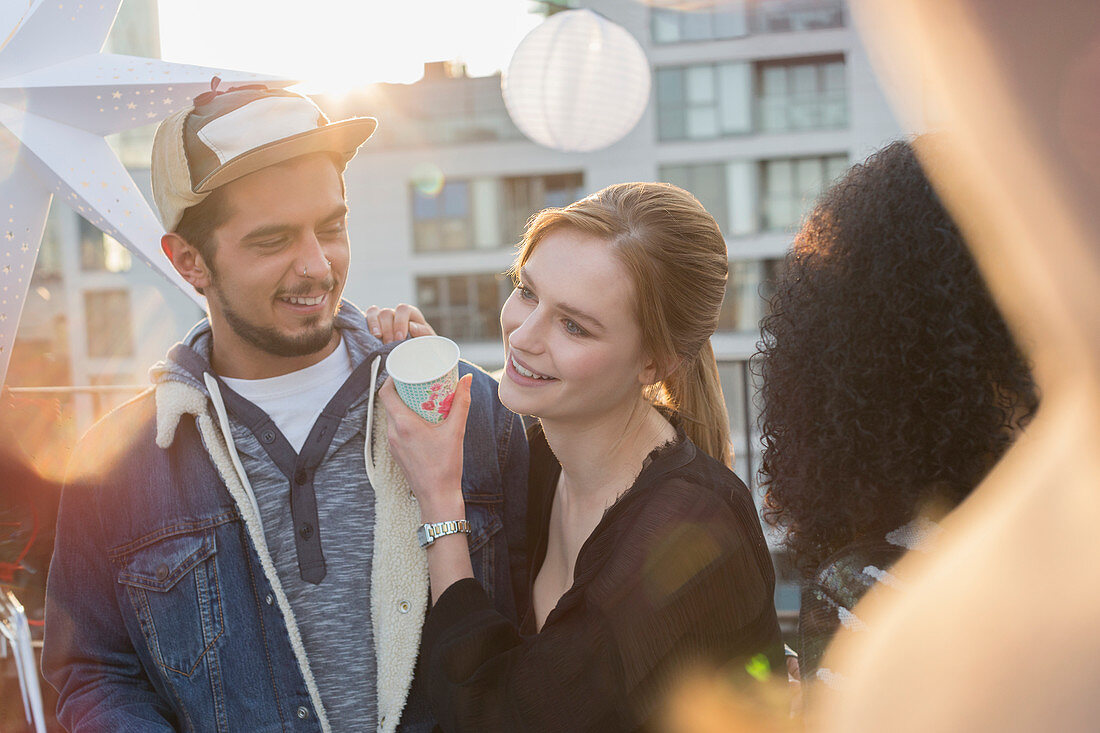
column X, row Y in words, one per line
column 426, row 534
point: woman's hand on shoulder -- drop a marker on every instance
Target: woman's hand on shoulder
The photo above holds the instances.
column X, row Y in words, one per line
column 393, row 324
column 431, row 455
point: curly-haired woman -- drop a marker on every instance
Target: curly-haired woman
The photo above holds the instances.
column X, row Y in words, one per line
column 891, row 385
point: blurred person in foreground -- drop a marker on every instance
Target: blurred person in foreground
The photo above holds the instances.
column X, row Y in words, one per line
column 646, row 557
column 222, row 561
column 891, row 385
column 997, row 631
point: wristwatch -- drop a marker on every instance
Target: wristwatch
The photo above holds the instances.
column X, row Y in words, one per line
column 426, row 534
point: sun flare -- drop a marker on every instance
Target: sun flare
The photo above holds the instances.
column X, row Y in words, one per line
column 339, row 46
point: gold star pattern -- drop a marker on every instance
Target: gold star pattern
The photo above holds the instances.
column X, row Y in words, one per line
column 131, row 105
column 116, row 95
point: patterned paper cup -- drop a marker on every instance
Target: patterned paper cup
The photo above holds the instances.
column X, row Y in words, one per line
column 425, row 372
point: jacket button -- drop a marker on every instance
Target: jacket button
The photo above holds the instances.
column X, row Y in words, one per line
column 403, row 606
column 269, row 600
column 268, row 436
column 303, row 712
column 162, row 572
column 306, row 531
column 300, row 477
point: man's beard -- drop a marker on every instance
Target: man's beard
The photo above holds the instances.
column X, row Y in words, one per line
column 270, row 340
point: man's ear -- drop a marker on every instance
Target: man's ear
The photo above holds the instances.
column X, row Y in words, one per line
column 187, row 260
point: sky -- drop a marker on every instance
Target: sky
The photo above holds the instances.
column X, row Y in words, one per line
column 336, row 46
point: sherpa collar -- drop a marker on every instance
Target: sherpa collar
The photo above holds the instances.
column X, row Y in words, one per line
column 180, row 378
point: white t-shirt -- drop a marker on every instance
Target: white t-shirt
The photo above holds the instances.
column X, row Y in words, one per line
column 294, row 401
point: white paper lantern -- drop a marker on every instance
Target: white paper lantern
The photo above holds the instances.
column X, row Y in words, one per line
column 577, row 83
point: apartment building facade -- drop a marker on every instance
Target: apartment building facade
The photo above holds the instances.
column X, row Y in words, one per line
column 754, row 108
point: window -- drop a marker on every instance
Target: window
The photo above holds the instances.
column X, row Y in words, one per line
column 444, row 108
column 456, row 113
column 99, row 252
column 727, row 20
column 108, row 323
column 441, row 218
column 523, row 196
column 464, row 307
column 734, row 377
column 485, row 213
column 707, row 182
column 750, row 286
column 48, row 265
column 707, row 101
column 780, row 16
column 801, row 94
column 785, row 188
column 704, row 101
column 789, row 187
column 736, row 18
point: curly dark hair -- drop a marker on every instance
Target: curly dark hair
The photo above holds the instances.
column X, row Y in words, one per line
column 889, row 379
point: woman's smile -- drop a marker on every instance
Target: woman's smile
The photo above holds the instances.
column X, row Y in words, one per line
column 521, row 375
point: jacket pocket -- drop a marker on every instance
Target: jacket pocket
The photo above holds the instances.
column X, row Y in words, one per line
column 172, row 584
column 484, row 512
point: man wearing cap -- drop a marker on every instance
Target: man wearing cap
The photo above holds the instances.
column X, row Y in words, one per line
column 223, row 561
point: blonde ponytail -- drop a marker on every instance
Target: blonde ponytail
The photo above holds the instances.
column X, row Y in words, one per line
column 694, row 391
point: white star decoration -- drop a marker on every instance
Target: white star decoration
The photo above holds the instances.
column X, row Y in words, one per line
column 58, row 97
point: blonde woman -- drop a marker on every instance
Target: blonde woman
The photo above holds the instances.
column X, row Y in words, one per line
column 646, row 557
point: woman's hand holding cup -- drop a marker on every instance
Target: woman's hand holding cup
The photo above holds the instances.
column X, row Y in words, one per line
column 426, row 440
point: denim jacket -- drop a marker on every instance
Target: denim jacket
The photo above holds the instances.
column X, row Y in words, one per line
column 164, row 610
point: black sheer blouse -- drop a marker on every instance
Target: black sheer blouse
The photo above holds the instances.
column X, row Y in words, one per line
column 676, row 574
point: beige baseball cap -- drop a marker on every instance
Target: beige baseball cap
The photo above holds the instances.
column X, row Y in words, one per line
column 226, row 135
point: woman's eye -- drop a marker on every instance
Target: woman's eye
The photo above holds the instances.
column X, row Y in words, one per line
column 525, row 292
column 571, row 327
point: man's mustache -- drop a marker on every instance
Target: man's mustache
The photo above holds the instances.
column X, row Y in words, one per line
column 327, row 285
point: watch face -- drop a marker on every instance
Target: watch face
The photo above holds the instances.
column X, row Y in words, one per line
column 422, row 535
